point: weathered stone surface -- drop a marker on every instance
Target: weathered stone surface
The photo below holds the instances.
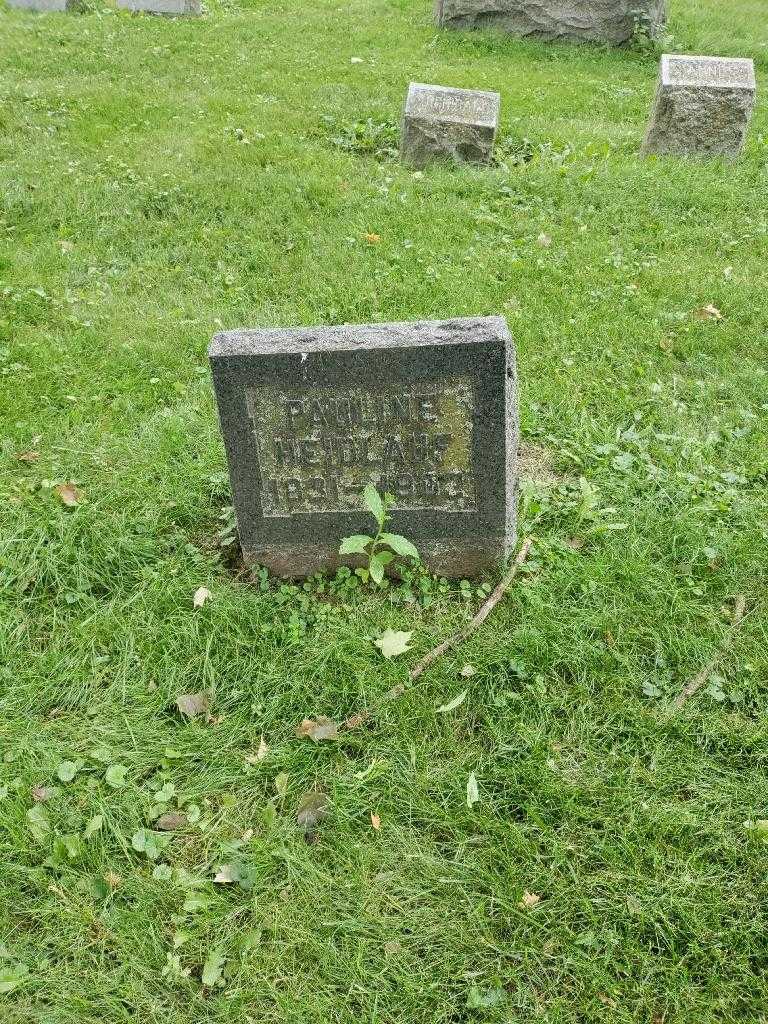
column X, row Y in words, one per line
column 426, row 411
column 169, row 8
column 602, row 21
column 448, row 124
column 40, row 5
column 703, row 106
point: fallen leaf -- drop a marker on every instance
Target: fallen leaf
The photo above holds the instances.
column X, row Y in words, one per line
column 112, row 879
column 260, row 754
column 375, row 821
column 473, row 793
column 355, row 721
column 529, row 900
column 709, row 312
column 213, row 968
column 393, row 642
column 372, row 239
column 392, row 947
column 65, row 245
column 226, row 875
column 281, row 785
column 201, row 595
column 317, row 729
column 544, row 240
column 453, row 704
column 467, row 671
column 68, row 494
column 171, row 822
column 27, row 456
column 192, row 704
column 356, row 60
column 312, row 809
column 41, row 794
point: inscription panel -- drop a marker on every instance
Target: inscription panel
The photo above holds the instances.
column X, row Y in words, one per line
column 464, row 105
column 713, row 71
column 319, row 446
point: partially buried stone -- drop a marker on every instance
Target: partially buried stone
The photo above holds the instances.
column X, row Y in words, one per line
column 452, row 124
column 702, row 108
column 601, row 21
column 169, row 8
column 426, row 411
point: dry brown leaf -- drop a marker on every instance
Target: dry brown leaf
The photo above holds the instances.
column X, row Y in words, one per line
column 27, row 456
column 68, row 494
column 200, row 596
column 192, row 704
column 355, row 721
column 41, row 794
column 544, row 240
column 529, row 900
column 467, row 671
column 375, row 821
column 372, row 239
column 709, row 312
column 171, row 821
column 317, row 729
column 112, row 879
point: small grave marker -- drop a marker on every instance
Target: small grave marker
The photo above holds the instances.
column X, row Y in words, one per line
column 703, row 106
column 453, row 124
column 41, row 5
column 169, row 8
column 426, row 411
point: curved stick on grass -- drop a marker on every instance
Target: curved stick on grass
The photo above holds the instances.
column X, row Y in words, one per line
column 479, row 618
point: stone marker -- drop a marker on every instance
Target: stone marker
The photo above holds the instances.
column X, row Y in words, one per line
column 601, row 21
column 427, row 411
column 41, row 5
column 170, row 8
column 454, row 124
column 703, row 106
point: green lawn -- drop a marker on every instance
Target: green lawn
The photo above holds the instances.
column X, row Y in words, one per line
column 162, row 179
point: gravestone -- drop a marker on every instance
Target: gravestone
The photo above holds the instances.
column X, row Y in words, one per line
column 703, row 106
column 453, row 124
column 41, row 5
column 170, row 8
column 601, row 21
column 426, row 411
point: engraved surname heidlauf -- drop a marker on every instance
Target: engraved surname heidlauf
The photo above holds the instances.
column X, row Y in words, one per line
column 319, row 446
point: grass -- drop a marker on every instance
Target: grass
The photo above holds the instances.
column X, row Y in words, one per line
column 160, row 179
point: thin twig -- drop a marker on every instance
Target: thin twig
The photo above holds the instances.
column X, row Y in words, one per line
column 695, row 684
column 484, row 611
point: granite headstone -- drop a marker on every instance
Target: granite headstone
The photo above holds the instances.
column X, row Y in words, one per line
column 427, row 411
column 703, row 106
column 449, row 124
column 169, row 8
column 601, row 21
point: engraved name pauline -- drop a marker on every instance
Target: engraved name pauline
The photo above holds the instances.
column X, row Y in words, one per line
column 319, row 446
